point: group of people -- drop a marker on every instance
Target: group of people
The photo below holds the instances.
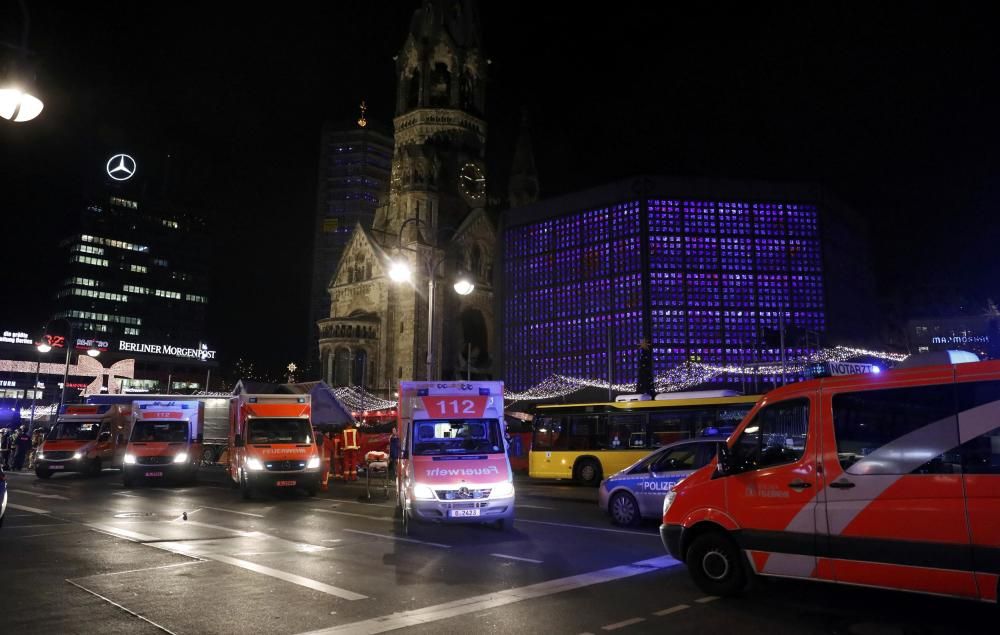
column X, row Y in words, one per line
column 15, row 446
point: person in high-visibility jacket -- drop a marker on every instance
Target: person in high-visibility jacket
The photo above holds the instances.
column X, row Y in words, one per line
column 351, row 448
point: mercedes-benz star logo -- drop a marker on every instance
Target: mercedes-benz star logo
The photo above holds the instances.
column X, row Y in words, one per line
column 121, row 167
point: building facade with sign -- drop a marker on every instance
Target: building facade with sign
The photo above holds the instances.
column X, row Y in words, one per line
column 354, row 164
column 979, row 334
column 702, row 270
column 136, row 282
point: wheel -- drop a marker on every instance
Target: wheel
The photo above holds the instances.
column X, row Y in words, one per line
column 716, row 564
column 407, row 520
column 623, row 509
column 42, row 473
column 588, row 472
column 245, row 489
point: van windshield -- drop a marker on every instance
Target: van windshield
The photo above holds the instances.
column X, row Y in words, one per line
column 457, row 436
column 278, row 430
column 74, row 431
column 160, row 430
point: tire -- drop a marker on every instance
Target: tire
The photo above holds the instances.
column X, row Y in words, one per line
column 42, row 473
column 588, row 472
column 716, row 564
column 624, row 510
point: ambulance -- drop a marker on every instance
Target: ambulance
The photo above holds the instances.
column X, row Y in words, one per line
column 271, row 444
column 84, row 438
column 165, row 442
column 453, row 465
column 888, row 480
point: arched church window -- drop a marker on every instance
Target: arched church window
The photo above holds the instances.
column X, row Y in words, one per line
column 413, row 98
column 440, row 85
column 342, row 367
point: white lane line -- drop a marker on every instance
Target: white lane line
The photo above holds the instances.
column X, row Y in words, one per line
column 623, row 624
column 614, row 531
column 315, row 585
column 386, row 505
column 503, row 555
column 520, row 506
column 125, row 494
column 25, row 508
column 245, row 534
column 37, row 495
column 672, row 609
column 48, row 533
column 331, row 540
column 9, row 527
column 399, row 538
column 166, row 566
column 191, row 552
column 113, row 603
column 330, row 511
column 500, row 598
column 707, row 599
column 233, row 511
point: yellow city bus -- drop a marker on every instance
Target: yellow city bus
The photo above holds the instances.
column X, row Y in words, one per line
column 587, row 441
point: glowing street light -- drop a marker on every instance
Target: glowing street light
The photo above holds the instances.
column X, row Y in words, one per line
column 400, row 271
column 17, row 100
column 464, row 285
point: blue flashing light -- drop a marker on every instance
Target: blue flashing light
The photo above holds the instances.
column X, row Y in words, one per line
column 484, row 391
column 876, row 370
column 252, row 400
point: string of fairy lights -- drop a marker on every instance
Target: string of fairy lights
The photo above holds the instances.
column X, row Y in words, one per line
column 682, row 377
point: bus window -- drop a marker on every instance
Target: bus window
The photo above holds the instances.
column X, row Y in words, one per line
column 723, row 421
column 626, row 431
column 669, row 426
column 584, row 432
column 547, row 433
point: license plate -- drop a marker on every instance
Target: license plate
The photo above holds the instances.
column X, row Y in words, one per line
column 285, row 483
column 154, row 473
column 457, row 513
column 56, row 467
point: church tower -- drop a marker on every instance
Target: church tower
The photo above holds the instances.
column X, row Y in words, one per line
column 434, row 219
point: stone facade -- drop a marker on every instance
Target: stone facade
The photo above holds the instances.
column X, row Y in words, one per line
column 435, row 219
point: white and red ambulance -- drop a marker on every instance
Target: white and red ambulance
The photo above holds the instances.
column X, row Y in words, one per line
column 453, row 465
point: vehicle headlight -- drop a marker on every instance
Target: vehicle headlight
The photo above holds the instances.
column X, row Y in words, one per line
column 78, row 455
column 668, row 500
column 129, row 459
column 41, row 455
column 254, row 464
column 313, row 463
column 423, row 492
column 181, row 457
column 502, row 490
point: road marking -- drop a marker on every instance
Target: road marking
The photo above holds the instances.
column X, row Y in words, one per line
column 503, row 555
column 37, row 495
column 500, row 598
column 520, row 506
column 399, row 538
column 707, row 599
column 289, row 577
column 344, row 500
column 36, row 525
column 615, row 531
column 190, row 552
column 126, row 494
column 330, row 511
column 166, row 566
column 672, row 609
column 113, row 603
column 623, row 624
column 48, row 533
column 25, row 508
column 331, row 540
column 233, row 511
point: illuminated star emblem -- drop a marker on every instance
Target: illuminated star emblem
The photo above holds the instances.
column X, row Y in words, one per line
column 121, row 167
column 644, row 344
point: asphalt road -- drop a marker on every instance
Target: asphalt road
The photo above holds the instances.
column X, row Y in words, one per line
column 84, row 555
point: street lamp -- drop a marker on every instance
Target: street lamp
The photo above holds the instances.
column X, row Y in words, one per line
column 17, row 101
column 400, row 271
column 42, row 348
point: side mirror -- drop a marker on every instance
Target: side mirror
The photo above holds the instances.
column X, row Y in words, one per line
column 238, row 441
column 724, row 467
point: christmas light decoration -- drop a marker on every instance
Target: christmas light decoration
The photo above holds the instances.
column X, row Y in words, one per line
column 355, row 399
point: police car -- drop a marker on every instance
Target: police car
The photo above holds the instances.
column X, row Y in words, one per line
column 637, row 491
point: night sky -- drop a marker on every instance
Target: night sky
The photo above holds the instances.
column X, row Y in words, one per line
column 894, row 107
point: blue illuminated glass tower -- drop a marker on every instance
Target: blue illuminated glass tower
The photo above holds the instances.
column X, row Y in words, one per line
column 701, row 269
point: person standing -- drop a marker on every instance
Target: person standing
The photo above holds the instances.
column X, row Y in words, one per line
column 324, row 462
column 5, row 439
column 22, row 447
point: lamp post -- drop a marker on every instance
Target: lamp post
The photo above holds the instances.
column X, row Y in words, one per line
column 92, row 351
column 399, row 271
column 42, row 348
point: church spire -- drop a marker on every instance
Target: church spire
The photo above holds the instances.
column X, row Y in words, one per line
column 523, row 187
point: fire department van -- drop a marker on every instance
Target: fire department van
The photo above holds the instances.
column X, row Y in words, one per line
column 165, row 442
column 271, row 444
column 84, row 438
column 887, row 480
column 453, row 465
